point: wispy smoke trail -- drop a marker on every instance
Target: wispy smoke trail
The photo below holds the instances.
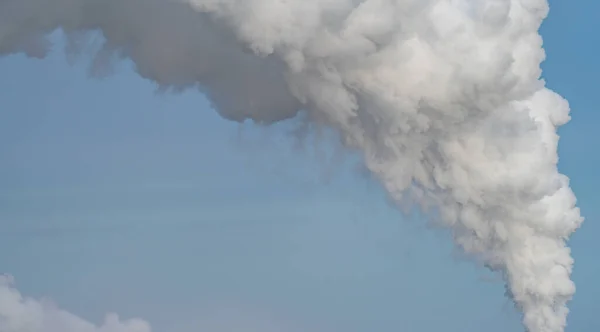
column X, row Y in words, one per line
column 443, row 98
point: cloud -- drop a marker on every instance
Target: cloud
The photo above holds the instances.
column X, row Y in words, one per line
column 23, row 314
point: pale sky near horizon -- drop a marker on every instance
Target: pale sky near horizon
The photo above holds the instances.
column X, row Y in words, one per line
column 116, row 199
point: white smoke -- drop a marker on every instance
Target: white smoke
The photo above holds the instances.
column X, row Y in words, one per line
column 443, row 98
column 21, row 314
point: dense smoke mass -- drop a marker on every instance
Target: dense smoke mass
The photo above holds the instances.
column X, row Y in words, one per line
column 443, row 98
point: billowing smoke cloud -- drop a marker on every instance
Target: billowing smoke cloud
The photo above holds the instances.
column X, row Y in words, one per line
column 21, row 314
column 442, row 97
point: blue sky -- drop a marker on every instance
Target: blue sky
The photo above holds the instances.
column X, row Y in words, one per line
column 114, row 198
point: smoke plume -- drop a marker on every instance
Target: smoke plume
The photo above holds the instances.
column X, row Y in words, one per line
column 442, row 97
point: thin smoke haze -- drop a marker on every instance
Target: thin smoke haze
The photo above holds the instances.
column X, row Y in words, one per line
column 443, row 98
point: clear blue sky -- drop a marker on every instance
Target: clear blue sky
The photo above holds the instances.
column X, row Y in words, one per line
column 113, row 198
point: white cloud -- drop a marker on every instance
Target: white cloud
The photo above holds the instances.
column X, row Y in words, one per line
column 22, row 314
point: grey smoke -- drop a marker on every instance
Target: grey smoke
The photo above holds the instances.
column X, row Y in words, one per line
column 442, row 97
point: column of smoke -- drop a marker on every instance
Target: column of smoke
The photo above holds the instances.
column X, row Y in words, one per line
column 442, row 97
